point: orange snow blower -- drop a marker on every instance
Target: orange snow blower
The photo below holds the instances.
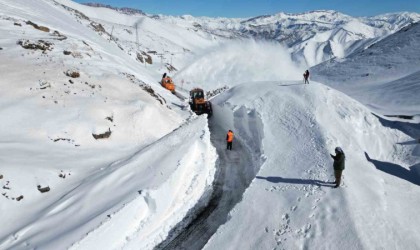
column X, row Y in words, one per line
column 198, row 103
column 167, row 83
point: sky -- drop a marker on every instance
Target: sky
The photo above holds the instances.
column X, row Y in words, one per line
column 252, row 8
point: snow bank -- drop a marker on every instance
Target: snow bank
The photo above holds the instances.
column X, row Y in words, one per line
column 135, row 182
column 291, row 204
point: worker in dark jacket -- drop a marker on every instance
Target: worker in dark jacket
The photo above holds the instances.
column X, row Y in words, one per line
column 229, row 139
column 306, row 77
column 339, row 159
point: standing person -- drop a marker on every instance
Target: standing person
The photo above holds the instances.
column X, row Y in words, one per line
column 229, row 139
column 306, row 77
column 339, row 159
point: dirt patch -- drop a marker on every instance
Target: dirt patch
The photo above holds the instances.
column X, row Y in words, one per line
column 36, row 26
column 38, row 45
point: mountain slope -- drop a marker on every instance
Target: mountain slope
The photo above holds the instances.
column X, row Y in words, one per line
column 383, row 76
column 312, row 37
column 91, row 142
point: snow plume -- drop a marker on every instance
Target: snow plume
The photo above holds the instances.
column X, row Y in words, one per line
column 240, row 61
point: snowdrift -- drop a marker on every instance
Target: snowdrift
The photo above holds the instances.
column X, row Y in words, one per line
column 291, row 203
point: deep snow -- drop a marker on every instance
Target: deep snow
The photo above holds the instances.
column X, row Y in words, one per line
column 133, row 189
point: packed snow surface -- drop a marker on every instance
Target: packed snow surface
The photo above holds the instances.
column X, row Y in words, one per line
column 291, row 203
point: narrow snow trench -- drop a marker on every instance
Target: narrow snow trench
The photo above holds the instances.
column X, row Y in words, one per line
column 235, row 171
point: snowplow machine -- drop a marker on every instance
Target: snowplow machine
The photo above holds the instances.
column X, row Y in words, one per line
column 198, row 103
column 167, row 83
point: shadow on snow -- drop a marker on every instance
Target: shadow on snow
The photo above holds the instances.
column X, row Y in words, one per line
column 277, row 179
column 412, row 175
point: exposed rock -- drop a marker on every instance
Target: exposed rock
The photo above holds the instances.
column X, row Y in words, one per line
column 18, row 24
column 140, row 57
column 217, row 91
column 170, row 67
column 103, row 135
column 61, row 139
column 66, row 52
column 43, row 189
column 124, row 10
column 60, row 36
column 36, row 26
column 148, row 57
column 39, row 45
column 110, row 118
column 44, row 84
column 72, row 73
column 145, row 87
column 98, row 27
column 19, row 198
column 1, row 176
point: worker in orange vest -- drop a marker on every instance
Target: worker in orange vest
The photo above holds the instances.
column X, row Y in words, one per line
column 229, row 139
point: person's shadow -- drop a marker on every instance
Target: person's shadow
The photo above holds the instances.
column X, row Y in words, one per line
column 277, row 179
column 412, row 175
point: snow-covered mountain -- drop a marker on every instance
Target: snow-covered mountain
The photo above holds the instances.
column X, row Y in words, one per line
column 313, row 37
column 95, row 154
column 384, row 76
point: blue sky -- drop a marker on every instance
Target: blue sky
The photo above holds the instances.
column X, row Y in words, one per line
column 251, row 8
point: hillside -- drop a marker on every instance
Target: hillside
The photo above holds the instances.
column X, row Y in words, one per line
column 96, row 154
column 383, row 76
column 313, row 37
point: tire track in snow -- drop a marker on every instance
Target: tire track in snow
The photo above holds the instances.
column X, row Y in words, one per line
column 235, row 171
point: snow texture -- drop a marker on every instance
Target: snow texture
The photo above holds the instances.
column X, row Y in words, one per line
column 95, row 154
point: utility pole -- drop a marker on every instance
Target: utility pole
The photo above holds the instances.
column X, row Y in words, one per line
column 137, row 35
column 112, row 31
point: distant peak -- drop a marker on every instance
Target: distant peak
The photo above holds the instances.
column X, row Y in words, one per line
column 124, row 10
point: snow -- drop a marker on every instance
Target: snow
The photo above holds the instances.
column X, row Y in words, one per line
column 162, row 166
column 290, row 203
column 236, row 62
column 384, row 76
column 47, row 140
